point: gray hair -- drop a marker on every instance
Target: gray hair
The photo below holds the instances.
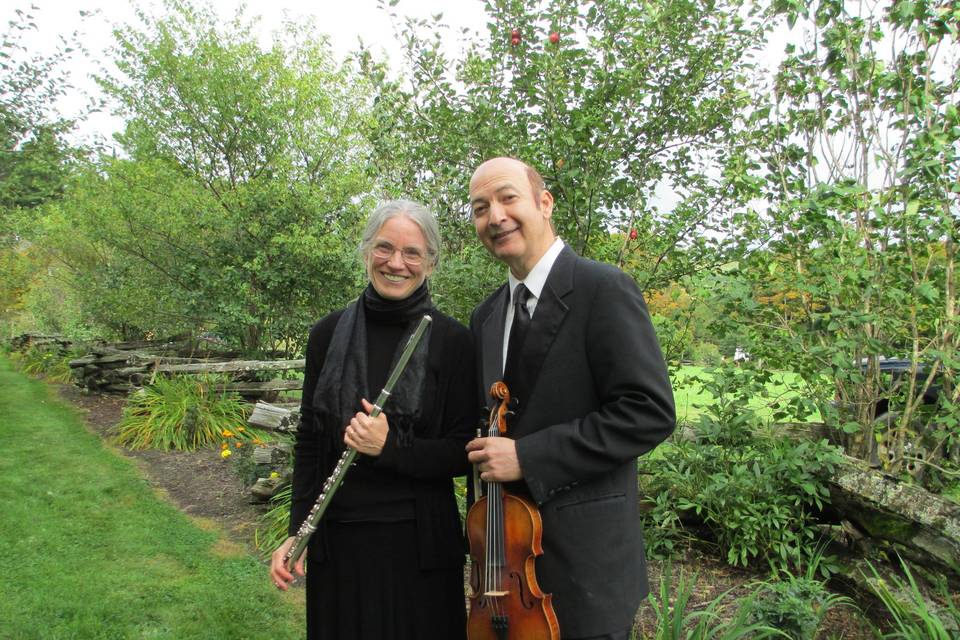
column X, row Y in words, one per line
column 417, row 212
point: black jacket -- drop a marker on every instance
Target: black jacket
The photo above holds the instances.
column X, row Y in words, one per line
column 593, row 394
column 435, row 455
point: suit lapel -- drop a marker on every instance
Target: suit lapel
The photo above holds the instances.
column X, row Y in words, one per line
column 491, row 337
column 547, row 319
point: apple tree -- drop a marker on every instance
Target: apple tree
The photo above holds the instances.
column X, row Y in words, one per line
column 625, row 107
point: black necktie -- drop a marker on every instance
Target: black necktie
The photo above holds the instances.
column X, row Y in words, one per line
column 518, row 330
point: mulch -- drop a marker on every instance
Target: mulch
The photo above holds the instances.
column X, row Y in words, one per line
column 200, row 483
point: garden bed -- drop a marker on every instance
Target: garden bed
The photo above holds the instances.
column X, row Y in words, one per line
column 206, row 488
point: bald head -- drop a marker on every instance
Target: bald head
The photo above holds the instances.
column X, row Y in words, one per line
column 537, row 184
column 512, row 212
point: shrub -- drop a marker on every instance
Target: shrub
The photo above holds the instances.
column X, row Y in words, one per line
column 183, row 413
column 796, row 605
column 754, row 493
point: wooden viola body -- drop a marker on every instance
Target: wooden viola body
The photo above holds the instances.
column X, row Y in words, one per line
column 505, row 532
column 524, row 612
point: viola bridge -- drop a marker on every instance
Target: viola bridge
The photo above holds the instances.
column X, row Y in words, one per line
column 496, row 594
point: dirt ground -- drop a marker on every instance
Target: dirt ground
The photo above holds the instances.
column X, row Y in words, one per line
column 204, row 487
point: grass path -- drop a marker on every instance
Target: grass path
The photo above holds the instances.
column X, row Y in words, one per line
column 87, row 550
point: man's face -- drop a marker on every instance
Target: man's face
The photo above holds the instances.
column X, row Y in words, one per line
column 511, row 222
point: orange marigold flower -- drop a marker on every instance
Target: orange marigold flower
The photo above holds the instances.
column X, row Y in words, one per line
column 227, row 433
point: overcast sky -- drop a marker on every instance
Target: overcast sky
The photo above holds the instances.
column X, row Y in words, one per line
column 344, row 21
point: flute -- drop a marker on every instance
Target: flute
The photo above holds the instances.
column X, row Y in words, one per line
column 333, row 482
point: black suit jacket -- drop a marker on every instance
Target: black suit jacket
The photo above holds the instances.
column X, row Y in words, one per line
column 593, row 394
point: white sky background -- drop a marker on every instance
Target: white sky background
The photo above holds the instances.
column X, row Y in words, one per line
column 345, row 22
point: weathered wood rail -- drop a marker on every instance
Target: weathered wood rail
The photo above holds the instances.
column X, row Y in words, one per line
column 110, row 369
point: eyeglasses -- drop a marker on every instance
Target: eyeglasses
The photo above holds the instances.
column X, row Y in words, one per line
column 411, row 255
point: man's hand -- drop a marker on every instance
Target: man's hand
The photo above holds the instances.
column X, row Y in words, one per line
column 496, row 458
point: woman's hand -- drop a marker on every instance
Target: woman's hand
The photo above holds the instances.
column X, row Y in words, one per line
column 278, row 568
column 365, row 434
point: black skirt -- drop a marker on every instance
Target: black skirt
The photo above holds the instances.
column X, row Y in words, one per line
column 371, row 587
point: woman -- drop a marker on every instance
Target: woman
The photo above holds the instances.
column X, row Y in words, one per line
column 387, row 560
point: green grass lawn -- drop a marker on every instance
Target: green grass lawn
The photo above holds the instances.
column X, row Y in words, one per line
column 688, row 394
column 89, row 551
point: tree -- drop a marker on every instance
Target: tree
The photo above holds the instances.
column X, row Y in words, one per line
column 34, row 154
column 33, row 151
column 237, row 207
column 856, row 156
column 610, row 100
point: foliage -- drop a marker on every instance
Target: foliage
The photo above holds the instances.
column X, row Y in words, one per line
column 138, row 567
column 44, row 362
column 914, row 617
column 273, row 526
column 33, row 150
column 236, row 204
column 675, row 622
column 798, row 604
column 183, row 413
column 626, row 98
column 754, row 491
column 852, row 172
column 461, row 282
column 237, row 447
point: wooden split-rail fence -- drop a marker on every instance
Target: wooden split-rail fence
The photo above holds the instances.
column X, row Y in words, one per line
column 109, row 369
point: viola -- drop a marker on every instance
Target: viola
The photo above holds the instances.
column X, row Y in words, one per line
column 505, row 532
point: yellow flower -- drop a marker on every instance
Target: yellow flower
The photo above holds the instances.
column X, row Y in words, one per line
column 240, row 429
column 226, row 453
column 257, row 441
column 274, row 475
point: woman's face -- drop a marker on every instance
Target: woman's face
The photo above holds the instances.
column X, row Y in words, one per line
column 398, row 262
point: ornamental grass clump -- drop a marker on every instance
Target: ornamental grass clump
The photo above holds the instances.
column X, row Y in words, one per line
column 723, row 618
column 273, row 524
column 49, row 364
column 914, row 615
column 183, row 413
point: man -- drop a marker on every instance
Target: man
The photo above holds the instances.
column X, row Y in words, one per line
column 592, row 394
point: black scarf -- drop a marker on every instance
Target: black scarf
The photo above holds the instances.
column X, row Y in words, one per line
column 343, row 379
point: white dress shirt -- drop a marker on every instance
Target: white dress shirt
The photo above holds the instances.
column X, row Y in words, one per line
column 534, row 282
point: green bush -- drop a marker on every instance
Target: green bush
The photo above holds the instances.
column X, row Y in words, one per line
column 795, row 606
column 183, row 413
column 705, row 353
column 755, row 493
column 48, row 363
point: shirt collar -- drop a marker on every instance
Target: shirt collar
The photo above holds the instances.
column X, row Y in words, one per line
column 537, row 278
